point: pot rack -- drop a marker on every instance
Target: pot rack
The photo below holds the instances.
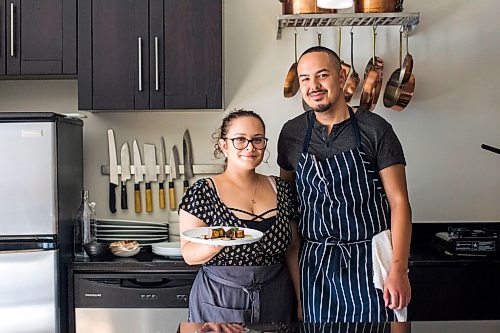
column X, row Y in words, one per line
column 407, row 20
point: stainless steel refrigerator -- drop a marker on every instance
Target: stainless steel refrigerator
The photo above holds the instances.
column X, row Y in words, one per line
column 41, row 181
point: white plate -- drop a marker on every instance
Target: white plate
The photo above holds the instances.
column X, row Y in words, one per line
column 130, row 223
column 194, row 235
column 140, row 241
column 127, row 227
column 167, row 249
column 131, row 236
column 132, row 232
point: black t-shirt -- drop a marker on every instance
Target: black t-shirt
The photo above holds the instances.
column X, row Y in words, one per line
column 378, row 140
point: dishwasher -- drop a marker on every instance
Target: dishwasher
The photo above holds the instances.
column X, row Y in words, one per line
column 134, row 302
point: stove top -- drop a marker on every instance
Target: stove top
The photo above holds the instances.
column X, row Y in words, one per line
column 468, row 242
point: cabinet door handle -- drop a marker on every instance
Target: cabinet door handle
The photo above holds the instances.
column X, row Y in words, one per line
column 156, row 65
column 139, row 47
column 11, row 29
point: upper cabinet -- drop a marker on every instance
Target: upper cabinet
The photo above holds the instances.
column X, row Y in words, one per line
column 149, row 54
column 37, row 37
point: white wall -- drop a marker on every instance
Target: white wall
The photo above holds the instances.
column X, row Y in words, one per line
column 453, row 111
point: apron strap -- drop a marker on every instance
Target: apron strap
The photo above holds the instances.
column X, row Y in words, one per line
column 345, row 253
column 307, row 139
column 252, row 290
column 355, row 127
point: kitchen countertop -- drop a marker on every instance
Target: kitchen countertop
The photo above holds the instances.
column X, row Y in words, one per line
column 422, row 254
column 413, row 327
column 144, row 261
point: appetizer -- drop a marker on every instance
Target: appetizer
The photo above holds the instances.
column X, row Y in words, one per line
column 221, row 234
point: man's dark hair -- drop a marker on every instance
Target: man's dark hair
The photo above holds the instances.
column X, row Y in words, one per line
column 333, row 56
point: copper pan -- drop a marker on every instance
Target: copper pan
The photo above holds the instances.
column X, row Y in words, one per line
column 405, row 95
column 352, row 81
column 291, row 85
column 407, row 66
column 378, row 6
column 303, row 7
column 373, row 80
column 398, row 94
column 344, row 67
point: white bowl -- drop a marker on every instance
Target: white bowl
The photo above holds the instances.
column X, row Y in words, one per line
column 127, row 253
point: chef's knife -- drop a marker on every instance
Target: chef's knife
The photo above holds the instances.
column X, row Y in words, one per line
column 125, row 161
column 113, row 171
column 187, row 155
column 150, row 162
column 174, row 174
column 161, row 177
column 138, row 177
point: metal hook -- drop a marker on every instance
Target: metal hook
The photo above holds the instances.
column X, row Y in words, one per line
column 294, row 28
column 305, row 29
column 352, row 28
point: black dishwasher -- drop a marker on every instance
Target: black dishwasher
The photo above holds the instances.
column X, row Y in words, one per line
column 134, row 302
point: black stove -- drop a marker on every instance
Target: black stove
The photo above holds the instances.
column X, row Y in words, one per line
column 468, row 242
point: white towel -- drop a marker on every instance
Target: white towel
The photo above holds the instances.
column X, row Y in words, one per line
column 382, row 259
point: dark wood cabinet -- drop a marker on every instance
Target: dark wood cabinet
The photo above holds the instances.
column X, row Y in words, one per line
column 149, row 54
column 38, row 37
column 455, row 291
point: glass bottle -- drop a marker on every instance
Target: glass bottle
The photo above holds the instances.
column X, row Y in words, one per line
column 85, row 222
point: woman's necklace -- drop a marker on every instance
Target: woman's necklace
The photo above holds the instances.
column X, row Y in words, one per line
column 252, row 202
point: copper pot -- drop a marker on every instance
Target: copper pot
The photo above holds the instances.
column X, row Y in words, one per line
column 378, row 6
column 372, row 84
column 397, row 97
column 352, row 81
column 291, row 85
column 303, row 7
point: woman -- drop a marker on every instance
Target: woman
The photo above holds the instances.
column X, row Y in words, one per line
column 244, row 283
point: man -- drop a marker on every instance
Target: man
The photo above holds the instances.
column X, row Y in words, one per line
column 349, row 173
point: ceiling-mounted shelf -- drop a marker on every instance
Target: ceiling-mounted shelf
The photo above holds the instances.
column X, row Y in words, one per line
column 407, row 20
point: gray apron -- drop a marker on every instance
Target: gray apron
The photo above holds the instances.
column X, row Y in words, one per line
column 242, row 294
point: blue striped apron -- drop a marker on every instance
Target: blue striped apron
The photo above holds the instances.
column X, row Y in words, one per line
column 342, row 205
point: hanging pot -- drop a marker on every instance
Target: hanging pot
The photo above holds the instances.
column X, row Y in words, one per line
column 344, row 67
column 291, row 85
column 378, row 6
column 290, row 7
column 397, row 93
column 352, row 81
column 407, row 66
column 373, row 80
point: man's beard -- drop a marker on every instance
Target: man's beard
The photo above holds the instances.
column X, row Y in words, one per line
column 322, row 108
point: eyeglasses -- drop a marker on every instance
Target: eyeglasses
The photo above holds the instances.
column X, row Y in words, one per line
column 241, row 143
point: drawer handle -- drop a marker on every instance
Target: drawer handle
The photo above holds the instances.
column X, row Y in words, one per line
column 11, row 29
column 182, row 297
column 139, row 48
column 157, row 87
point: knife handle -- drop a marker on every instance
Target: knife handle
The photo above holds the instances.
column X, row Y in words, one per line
column 171, row 195
column 162, row 195
column 137, row 197
column 124, row 196
column 186, row 186
column 112, row 197
column 149, row 198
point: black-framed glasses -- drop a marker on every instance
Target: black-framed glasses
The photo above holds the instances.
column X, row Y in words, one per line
column 241, row 143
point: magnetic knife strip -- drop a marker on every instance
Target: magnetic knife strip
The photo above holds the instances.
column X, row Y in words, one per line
column 198, row 169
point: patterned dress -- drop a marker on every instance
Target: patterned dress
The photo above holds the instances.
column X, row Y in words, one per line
column 249, row 282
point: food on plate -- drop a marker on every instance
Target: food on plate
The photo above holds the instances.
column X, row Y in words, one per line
column 222, row 234
column 124, row 245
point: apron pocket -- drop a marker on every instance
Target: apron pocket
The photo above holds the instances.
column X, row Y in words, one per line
column 221, row 314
